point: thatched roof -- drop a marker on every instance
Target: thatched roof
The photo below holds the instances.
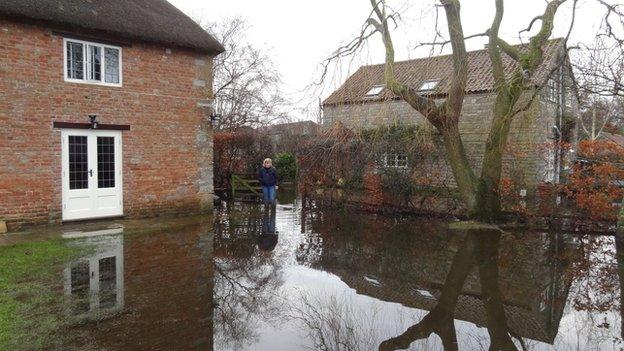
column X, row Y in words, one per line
column 155, row 21
column 437, row 68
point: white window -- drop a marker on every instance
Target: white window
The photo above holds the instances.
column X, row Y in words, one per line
column 549, row 174
column 568, row 97
column 429, row 85
column 395, row 160
column 92, row 63
column 376, row 90
column 551, row 90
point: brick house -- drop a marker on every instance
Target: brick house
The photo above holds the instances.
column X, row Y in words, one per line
column 105, row 110
column 363, row 102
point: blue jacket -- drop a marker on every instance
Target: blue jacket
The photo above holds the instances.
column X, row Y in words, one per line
column 267, row 176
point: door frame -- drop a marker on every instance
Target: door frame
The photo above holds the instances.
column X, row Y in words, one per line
column 65, row 169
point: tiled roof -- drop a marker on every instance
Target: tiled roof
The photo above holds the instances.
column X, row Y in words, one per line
column 155, row 21
column 437, row 68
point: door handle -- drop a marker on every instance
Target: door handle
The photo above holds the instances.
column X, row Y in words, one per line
column 91, row 173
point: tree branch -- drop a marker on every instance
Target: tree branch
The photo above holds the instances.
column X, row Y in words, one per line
column 528, row 29
column 508, row 49
column 424, row 105
column 498, row 71
column 457, row 91
column 535, row 55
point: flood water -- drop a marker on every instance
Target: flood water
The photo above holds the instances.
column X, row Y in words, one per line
column 309, row 279
column 301, row 279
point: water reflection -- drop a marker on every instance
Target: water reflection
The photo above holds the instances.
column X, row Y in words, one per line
column 147, row 286
column 457, row 275
column 532, row 311
column 346, row 281
column 245, row 275
column 268, row 238
column 94, row 284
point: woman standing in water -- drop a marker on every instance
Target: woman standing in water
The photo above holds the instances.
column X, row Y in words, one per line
column 268, row 179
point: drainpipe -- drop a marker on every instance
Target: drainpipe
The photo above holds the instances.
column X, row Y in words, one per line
column 559, row 149
column 593, row 126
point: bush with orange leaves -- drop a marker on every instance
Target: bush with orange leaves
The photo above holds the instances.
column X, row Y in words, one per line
column 374, row 188
column 594, row 183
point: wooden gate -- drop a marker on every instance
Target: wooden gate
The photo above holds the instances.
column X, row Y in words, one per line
column 246, row 187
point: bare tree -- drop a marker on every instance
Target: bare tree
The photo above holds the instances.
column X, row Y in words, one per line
column 246, row 82
column 515, row 89
column 601, row 114
column 599, row 69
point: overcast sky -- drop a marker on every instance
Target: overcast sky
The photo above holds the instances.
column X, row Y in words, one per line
column 299, row 34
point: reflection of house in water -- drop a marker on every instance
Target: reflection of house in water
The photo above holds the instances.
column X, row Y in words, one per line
column 408, row 265
column 149, row 288
column 95, row 284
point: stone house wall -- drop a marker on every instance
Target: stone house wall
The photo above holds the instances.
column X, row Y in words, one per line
column 531, row 132
column 167, row 153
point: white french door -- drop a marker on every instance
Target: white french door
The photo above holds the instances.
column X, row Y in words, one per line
column 92, row 174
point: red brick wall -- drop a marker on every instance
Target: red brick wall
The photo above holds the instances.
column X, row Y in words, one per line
column 161, row 158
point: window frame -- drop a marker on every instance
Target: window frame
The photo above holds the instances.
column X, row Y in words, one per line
column 86, row 63
column 551, row 90
column 568, row 96
column 373, row 88
column 394, row 157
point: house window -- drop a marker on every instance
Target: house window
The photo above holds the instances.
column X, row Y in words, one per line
column 376, row 90
column 395, row 160
column 74, row 66
column 92, row 63
column 568, row 98
column 429, row 85
column 549, row 175
column 551, row 90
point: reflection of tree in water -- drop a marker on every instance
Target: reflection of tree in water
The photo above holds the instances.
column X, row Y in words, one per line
column 311, row 248
column 597, row 290
column 245, row 279
column 595, row 273
column 334, row 323
column 619, row 244
column 515, row 287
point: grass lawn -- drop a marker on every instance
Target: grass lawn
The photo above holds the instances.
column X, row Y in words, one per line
column 31, row 294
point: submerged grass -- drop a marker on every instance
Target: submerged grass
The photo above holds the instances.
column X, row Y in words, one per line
column 30, row 297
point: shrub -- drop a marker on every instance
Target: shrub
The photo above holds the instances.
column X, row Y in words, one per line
column 238, row 151
column 286, row 165
column 398, row 184
column 340, row 156
column 594, row 184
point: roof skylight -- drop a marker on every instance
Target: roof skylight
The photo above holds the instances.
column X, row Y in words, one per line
column 429, row 85
column 375, row 90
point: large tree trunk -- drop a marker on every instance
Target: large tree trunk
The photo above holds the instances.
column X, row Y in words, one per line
column 488, row 196
column 480, row 196
column 462, row 170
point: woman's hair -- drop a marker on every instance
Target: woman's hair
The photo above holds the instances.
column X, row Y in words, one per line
column 267, row 159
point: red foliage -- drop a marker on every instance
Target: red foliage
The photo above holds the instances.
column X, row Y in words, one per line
column 593, row 184
column 373, row 187
column 239, row 151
